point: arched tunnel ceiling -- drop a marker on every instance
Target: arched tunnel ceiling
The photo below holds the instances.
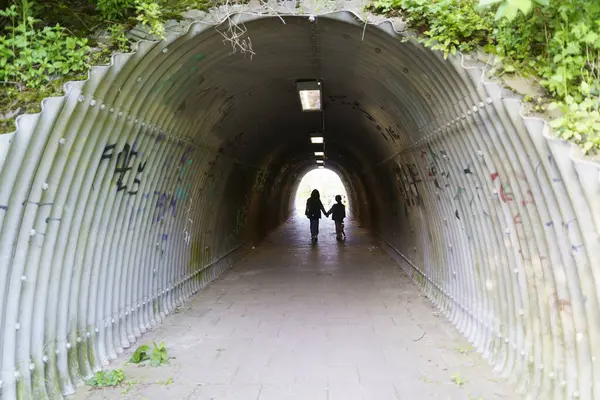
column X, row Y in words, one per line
column 145, row 182
column 360, row 77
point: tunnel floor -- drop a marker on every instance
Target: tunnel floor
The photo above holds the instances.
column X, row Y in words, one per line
column 297, row 321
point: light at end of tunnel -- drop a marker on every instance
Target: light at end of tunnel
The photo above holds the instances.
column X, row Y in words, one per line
column 319, row 153
column 316, row 139
column 310, row 95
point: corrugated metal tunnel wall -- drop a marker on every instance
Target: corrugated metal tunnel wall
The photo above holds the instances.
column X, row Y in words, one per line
column 127, row 196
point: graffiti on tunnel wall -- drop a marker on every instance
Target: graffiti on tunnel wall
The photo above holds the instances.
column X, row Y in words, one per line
column 408, row 177
column 167, row 201
column 469, row 184
column 126, row 159
column 128, row 172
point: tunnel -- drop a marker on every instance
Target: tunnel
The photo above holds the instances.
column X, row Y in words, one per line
column 127, row 196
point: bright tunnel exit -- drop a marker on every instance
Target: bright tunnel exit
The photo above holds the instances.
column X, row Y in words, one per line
column 329, row 185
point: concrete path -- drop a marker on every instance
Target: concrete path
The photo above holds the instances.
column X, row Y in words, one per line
column 335, row 321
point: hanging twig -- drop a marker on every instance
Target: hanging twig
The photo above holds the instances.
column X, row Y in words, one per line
column 274, row 12
column 234, row 35
column 364, row 30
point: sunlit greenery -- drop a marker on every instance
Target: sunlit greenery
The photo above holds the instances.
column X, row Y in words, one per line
column 45, row 43
column 554, row 42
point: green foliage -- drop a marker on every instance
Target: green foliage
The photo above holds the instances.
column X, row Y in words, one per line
column 30, row 56
column 558, row 42
column 157, row 357
column 106, row 378
column 572, row 68
column 447, row 25
column 509, row 9
column 140, row 354
column 116, row 10
column 118, row 38
column 149, row 13
column 44, row 44
column 458, row 381
column 580, row 122
column 128, row 387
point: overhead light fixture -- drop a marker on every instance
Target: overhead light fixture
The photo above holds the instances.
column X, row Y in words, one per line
column 320, row 153
column 310, row 95
column 321, row 167
column 320, row 161
column 316, row 139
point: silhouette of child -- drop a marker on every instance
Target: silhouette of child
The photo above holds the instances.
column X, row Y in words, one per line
column 339, row 213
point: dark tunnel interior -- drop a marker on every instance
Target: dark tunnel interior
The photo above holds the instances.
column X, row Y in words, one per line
column 160, row 169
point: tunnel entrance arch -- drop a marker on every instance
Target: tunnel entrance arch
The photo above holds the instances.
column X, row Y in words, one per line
column 140, row 186
column 327, row 182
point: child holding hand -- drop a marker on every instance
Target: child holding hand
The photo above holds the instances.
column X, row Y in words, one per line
column 339, row 213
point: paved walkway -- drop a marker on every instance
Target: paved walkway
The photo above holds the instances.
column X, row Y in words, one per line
column 335, row 321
